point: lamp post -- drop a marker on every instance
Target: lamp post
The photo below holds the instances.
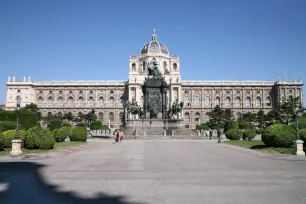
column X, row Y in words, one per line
column 16, row 142
column 298, row 144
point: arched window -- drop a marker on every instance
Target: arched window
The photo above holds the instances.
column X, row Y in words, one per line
column 133, row 67
column 50, row 101
column 121, row 118
column 197, row 100
column 60, row 101
column 227, row 101
column 238, row 115
column 174, row 66
column 207, row 101
column 187, row 117
column 111, row 100
column 100, row 116
column 248, row 102
column 111, row 116
column 59, row 114
column 238, row 101
column 290, row 98
column 186, row 100
column 217, row 102
column 40, row 101
column 101, row 101
column 91, row 101
column 70, row 100
column 165, row 65
column 258, row 102
column 197, row 117
column 80, row 101
column 80, row 114
column 143, row 66
column 49, row 114
column 268, row 101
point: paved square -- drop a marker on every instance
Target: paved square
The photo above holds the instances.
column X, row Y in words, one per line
column 156, row 172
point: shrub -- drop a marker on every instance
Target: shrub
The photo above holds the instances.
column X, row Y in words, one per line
column 302, row 123
column 1, row 141
column 53, row 133
column 80, row 125
column 39, row 138
column 66, row 125
column 78, row 134
column 96, row 125
column 259, row 131
column 27, row 118
column 202, row 127
column 62, row 133
column 278, row 135
column 9, row 135
column 55, row 124
column 232, row 124
column 9, row 125
column 233, row 134
column 45, row 140
column 302, row 134
column 249, row 134
column 243, row 124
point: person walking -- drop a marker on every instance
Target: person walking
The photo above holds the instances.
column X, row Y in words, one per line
column 121, row 135
column 117, row 136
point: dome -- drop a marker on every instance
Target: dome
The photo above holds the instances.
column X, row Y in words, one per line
column 154, row 46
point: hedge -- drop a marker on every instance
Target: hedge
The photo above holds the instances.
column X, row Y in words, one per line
column 202, row 127
column 38, row 138
column 78, row 134
column 62, row 133
column 249, row 134
column 302, row 134
column 233, row 134
column 279, row 135
column 27, row 118
column 232, row 124
column 1, row 141
column 96, row 125
column 9, row 125
column 243, row 124
column 9, row 135
column 55, row 124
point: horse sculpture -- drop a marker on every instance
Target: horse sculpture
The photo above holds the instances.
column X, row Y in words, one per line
column 176, row 109
column 134, row 108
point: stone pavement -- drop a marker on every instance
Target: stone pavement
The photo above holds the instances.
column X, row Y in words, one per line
column 166, row 171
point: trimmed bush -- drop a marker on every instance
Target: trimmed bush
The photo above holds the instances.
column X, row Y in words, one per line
column 38, row 138
column 9, row 125
column 278, row 135
column 27, row 118
column 62, row 133
column 55, row 124
column 233, row 134
column 249, row 134
column 302, row 134
column 259, row 131
column 202, row 127
column 9, row 135
column 78, row 134
column 232, row 124
column 96, row 125
column 243, row 124
column 1, row 141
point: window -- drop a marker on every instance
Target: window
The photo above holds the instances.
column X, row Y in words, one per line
column 186, row 100
column 133, row 67
column 121, row 118
column 217, row 101
column 197, row 117
column 49, row 114
column 290, row 98
column 59, row 114
column 268, row 101
column 165, row 65
column 60, row 101
column 174, row 66
column 111, row 117
column 248, row 102
column 143, row 66
column 91, row 101
column 227, row 101
column 197, row 100
column 70, row 101
column 101, row 101
column 100, row 116
column 40, row 101
column 50, row 101
column 207, row 101
column 111, row 100
column 187, row 117
column 258, row 102
column 81, row 101
column 238, row 101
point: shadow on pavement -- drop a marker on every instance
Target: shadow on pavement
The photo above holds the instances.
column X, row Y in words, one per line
column 22, row 182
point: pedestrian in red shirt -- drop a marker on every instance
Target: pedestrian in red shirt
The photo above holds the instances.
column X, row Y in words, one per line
column 121, row 135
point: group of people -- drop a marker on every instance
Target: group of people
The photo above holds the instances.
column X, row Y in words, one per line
column 119, row 136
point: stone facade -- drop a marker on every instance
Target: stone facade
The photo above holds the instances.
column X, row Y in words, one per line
column 107, row 98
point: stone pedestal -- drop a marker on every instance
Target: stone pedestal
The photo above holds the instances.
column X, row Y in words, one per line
column 298, row 148
column 16, row 147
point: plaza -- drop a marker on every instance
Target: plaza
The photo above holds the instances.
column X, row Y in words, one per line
column 155, row 171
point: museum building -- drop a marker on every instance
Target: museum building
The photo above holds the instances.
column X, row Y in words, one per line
column 108, row 97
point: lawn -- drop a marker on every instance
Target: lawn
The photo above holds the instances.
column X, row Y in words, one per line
column 259, row 145
column 57, row 146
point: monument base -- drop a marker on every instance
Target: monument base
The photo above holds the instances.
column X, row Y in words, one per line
column 298, row 148
column 16, row 147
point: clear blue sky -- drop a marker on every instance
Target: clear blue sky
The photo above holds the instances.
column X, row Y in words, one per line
column 93, row 40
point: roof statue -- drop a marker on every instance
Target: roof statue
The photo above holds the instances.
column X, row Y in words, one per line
column 153, row 69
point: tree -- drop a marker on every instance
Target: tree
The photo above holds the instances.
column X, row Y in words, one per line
column 273, row 114
column 32, row 107
column 91, row 116
column 287, row 109
column 260, row 117
column 228, row 114
column 249, row 117
column 68, row 116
